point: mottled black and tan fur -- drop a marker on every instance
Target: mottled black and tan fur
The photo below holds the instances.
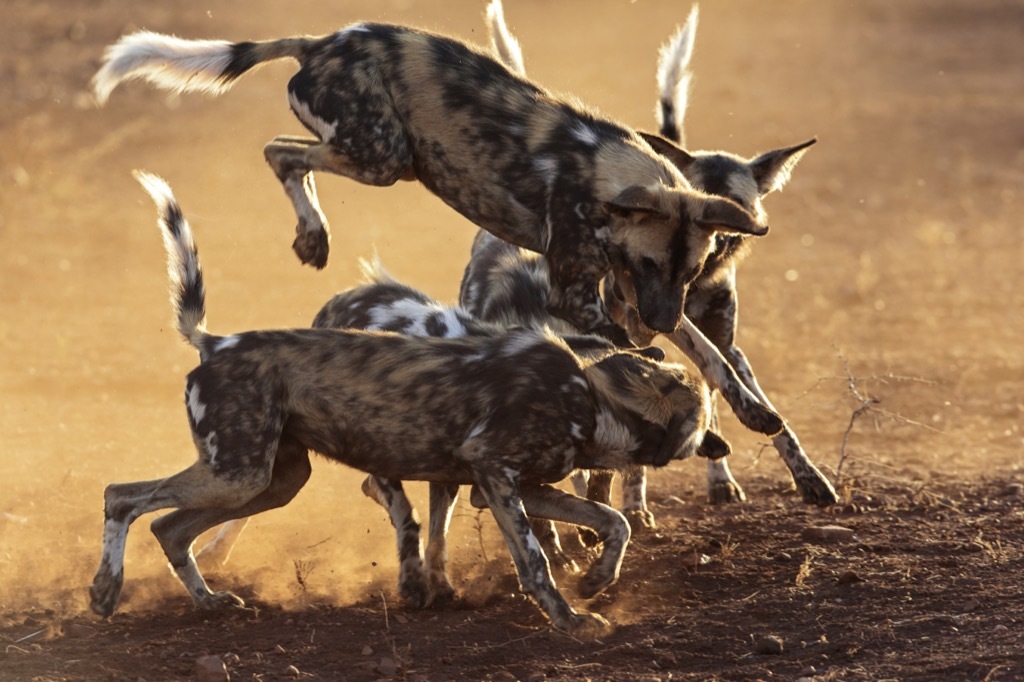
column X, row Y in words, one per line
column 545, row 173
column 510, row 413
column 710, row 303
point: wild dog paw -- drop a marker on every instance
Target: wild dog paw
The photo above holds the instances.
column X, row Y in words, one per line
column 817, row 490
column 640, row 520
column 414, row 592
column 587, row 626
column 595, row 581
column 561, row 562
column 759, row 418
column 441, row 592
column 725, row 492
column 105, row 591
column 217, row 601
column 312, row 244
column 588, row 538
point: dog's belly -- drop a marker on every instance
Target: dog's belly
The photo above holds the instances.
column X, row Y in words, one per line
column 486, row 202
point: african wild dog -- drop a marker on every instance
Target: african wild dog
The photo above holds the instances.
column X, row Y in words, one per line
column 508, row 413
column 383, row 304
column 711, row 300
column 389, row 102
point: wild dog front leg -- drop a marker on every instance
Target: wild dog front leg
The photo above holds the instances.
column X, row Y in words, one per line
column 812, row 484
column 500, row 490
column 412, row 578
column 576, row 265
column 722, row 485
column 612, row 530
column 293, row 160
column 720, row 374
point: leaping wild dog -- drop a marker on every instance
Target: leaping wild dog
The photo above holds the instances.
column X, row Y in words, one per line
column 543, row 172
column 508, row 413
column 711, row 299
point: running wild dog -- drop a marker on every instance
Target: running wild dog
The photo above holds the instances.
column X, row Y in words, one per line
column 509, row 413
column 383, row 304
column 711, row 300
column 390, row 102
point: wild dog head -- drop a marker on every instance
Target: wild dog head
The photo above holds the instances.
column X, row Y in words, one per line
column 659, row 237
column 723, row 174
column 664, row 410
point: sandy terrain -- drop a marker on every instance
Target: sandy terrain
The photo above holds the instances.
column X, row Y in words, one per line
column 894, row 258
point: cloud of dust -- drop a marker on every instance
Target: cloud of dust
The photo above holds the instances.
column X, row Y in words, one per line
column 330, row 545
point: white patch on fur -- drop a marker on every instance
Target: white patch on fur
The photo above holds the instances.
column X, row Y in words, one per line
column 579, row 211
column 520, row 342
column 165, row 61
column 196, row 408
column 358, row 27
column 576, row 430
column 210, row 448
column 477, row 429
column 384, row 317
column 612, row 437
column 226, row 342
column 548, row 169
column 324, row 130
column 603, row 233
column 585, row 134
column 580, row 380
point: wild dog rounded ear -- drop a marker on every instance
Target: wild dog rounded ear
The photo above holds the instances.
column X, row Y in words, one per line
column 679, row 157
column 773, row 169
column 723, row 215
column 714, row 446
column 635, row 204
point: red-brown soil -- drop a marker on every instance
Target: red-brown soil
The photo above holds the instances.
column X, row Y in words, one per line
column 892, row 271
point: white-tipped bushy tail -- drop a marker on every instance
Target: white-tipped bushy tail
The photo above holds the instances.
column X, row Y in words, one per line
column 504, row 43
column 674, row 79
column 188, row 293
column 165, row 61
column 374, row 272
column 180, row 65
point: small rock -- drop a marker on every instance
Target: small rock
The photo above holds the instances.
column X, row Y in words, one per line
column 211, row 669
column 971, row 605
column 278, row 649
column 783, row 556
column 503, row 676
column 1000, row 628
column 848, row 578
column 401, row 619
column 292, row 671
column 1014, row 490
column 828, row 533
column 809, row 671
column 387, row 666
column 536, row 677
column 367, row 650
column 768, row 646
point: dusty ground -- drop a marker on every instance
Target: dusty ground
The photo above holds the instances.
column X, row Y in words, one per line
column 895, row 258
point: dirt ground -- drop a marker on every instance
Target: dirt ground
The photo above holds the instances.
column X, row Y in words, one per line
column 891, row 281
